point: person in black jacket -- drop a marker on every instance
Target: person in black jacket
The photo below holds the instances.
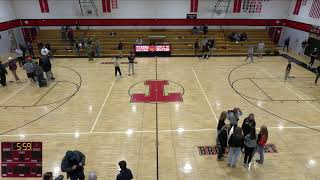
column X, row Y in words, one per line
column 23, row 49
column 45, row 63
column 73, row 164
column 235, row 142
column 313, row 56
column 223, row 141
column 288, row 70
column 286, row 44
column 3, row 73
column 125, row 173
column 196, row 47
column 222, row 119
column 248, row 123
column 131, row 58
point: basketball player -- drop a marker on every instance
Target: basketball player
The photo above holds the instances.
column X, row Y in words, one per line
column 318, row 74
column 288, row 69
column 250, row 54
column 131, row 58
column 260, row 48
column 116, row 62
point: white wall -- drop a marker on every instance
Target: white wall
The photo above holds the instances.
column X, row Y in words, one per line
column 6, row 11
column 140, row 9
column 303, row 15
column 296, row 38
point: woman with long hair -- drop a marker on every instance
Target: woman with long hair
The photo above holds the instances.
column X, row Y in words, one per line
column 248, row 123
column 262, row 139
column 221, row 123
column 250, row 143
column 235, row 143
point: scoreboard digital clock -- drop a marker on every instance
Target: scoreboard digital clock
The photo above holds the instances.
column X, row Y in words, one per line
column 153, row 50
column 21, row 159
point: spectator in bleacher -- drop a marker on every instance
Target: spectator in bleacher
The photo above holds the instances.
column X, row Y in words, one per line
column 116, row 63
column 211, row 45
column 205, row 29
column 39, row 45
column 196, row 47
column 98, row 48
column 120, row 48
column 113, row 34
column 195, row 30
column 20, row 58
column 318, row 74
column 73, row 164
column 313, row 56
column 139, row 41
column 125, row 173
column 261, row 46
column 131, row 58
column 71, row 35
column 13, row 68
column 23, row 49
column 3, row 73
column 235, row 143
column 250, row 54
column 29, row 68
column 63, row 33
column 30, row 49
column 237, row 37
column 77, row 26
column 44, row 51
column 288, row 70
column 286, row 44
column 45, row 63
column 244, row 36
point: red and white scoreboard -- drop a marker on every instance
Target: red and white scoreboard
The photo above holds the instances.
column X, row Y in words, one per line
column 153, row 50
column 21, row 159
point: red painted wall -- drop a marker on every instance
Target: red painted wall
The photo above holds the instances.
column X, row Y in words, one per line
column 155, row 22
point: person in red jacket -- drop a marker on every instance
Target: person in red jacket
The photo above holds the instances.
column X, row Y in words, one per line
column 261, row 141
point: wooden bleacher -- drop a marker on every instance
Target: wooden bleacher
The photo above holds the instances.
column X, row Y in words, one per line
column 181, row 41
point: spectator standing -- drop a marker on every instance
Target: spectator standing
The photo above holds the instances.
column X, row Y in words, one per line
column 318, row 74
column 244, row 37
column 39, row 73
column 286, row 44
column 20, row 58
column 45, row 63
column 13, row 68
column 222, row 141
column 77, row 48
column 195, row 30
column 262, row 140
column 29, row 68
column 89, row 50
column 235, row 143
column 125, row 173
column 288, row 70
column 120, row 48
column 250, row 54
column 205, row 48
column 63, row 33
column 116, row 63
column 196, row 47
column 30, row 49
column 248, row 123
column 73, row 164
column 3, row 73
column 250, row 143
column 261, row 46
column 313, row 56
column 98, row 49
column 23, row 49
column 234, row 116
column 131, row 58
column 205, row 29
column 211, row 45
column 71, row 35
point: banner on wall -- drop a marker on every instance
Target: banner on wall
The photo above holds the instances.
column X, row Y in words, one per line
column 252, row 6
column 44, row 7
column 114, row 4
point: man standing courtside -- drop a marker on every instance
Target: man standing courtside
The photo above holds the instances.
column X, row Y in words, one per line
column 125, row 173
column 73, row 164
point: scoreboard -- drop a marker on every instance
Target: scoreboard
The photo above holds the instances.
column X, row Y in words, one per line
column 21, row 159
column 153, row 50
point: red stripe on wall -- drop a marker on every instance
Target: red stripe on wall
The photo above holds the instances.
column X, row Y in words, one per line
column 9, row 25
column 237, row 6
column 108, row 5
column 104, row 6
column 195, row 8
column 46, row 6
column 191, row 5
column 41, row 6
column 297, row 7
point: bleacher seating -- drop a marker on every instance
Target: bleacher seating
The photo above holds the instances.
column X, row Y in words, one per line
column 182, row 41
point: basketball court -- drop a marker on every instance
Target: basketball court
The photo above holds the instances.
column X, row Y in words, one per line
column 90, row 110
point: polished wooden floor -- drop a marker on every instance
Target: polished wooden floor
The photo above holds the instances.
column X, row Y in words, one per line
column 88, row 109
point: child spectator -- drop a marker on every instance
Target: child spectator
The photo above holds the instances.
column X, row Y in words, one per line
column 250, row 143
column 262, row 140
column 248, row 123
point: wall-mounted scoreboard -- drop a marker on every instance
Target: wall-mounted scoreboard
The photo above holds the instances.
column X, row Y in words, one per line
column 21, row 159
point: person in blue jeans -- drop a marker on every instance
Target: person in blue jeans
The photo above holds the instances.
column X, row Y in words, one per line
column 261, row 142
column 235, row 144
